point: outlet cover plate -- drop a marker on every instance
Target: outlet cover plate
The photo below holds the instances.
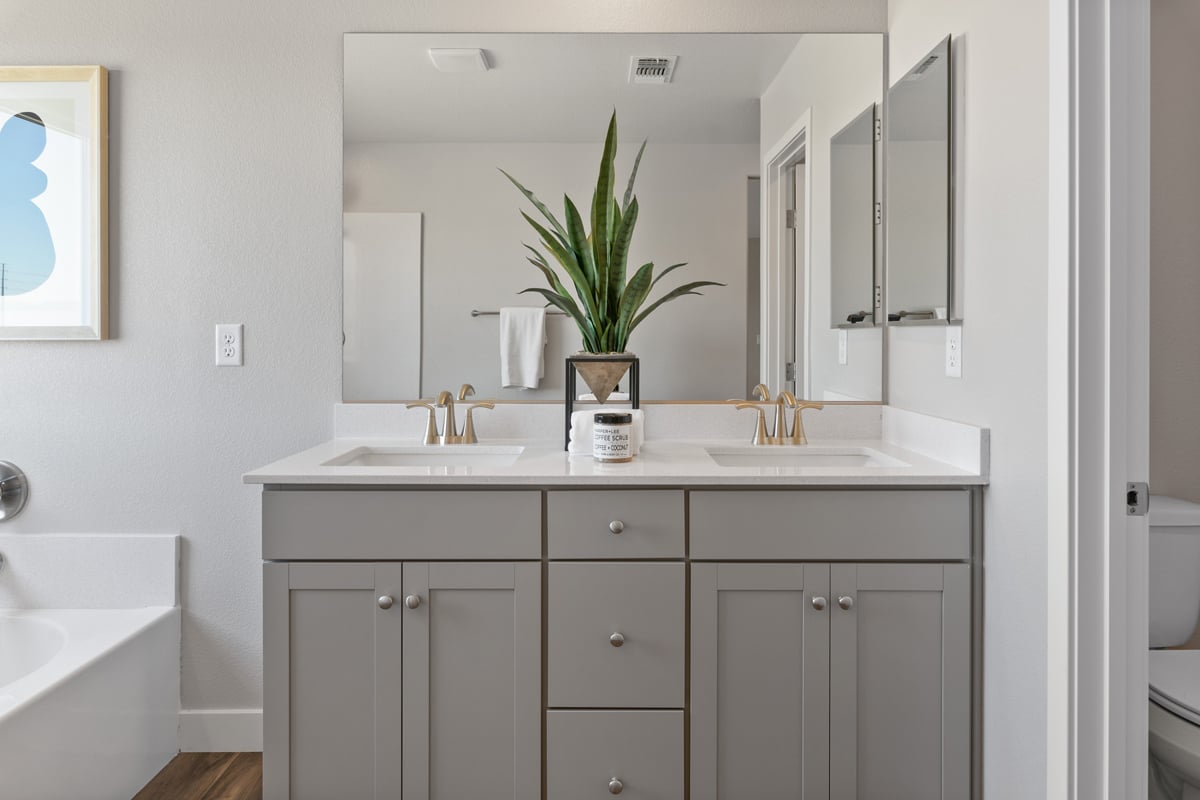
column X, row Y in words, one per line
column 229, row 345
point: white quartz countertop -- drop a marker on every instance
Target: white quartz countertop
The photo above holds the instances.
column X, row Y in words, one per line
column 662, row 462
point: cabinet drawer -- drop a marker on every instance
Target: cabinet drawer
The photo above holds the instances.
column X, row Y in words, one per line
column 590, row 603
column 615, row 524
column 877, row 525
column 390, row 525
column 587, row 750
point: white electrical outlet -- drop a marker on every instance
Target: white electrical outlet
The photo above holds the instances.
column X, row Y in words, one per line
column 842, row 335
column 954, row 351
column 229, row 345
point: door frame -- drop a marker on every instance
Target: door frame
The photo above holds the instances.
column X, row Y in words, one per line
column 774, row 280
column 1098, row 399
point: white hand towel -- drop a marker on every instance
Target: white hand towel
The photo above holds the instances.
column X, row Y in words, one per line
column 615, row 397
column 580, row 443
column 522, row 347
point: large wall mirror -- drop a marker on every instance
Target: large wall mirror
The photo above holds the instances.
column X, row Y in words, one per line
column 919, row 186
column 735, row 180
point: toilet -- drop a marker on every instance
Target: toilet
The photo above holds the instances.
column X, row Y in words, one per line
column 1174, row 674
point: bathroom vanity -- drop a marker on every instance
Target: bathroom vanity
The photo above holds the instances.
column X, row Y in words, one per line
column 670, row 628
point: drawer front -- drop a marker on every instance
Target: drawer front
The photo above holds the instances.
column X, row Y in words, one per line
column 413, row 525
column 876, row 525
column 588, row 604
column 615, row 524
column 587, row 750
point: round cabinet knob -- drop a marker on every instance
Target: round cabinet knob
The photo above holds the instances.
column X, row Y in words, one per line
column 616, row 526
column 845, row 602
column 412, row 601
column 386, row 601
column 616, row 640
column 615, row 786
column 819, row 603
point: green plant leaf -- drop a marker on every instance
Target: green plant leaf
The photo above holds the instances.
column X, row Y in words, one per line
column 579, row 243
column 602, row 204
column 566, row 257
column 540, row 206
column 620, row 254
column 667, row 272
column 632, row 176
column 685, row 289
column 565, row 304
column 631, row 300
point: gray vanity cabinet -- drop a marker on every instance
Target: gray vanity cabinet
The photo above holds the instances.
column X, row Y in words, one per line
column 900, row 682
column 384, row 680
column 842, row 681
column 760, row 682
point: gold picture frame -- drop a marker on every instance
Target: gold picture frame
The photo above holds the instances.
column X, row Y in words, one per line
column 53, row 203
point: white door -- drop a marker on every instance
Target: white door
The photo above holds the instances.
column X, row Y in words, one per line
column 1098, row 337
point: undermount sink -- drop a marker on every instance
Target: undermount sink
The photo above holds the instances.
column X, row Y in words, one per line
column 800, row 456
column 469, row 455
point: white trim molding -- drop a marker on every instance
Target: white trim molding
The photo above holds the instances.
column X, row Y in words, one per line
column 776, row 285
column 1098, row 340
column 220, row 730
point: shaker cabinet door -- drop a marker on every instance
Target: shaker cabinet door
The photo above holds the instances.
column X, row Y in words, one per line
column 472, row 681
column 760, row 681
column 327, row 733
column 900, row 692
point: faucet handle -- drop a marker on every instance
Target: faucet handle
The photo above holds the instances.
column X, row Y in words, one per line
column 760, row 429
column 468, row 436
column 798, row 436
column 431, row 431
column 465, row 391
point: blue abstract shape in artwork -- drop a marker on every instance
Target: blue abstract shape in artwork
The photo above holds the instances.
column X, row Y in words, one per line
column 26, row 248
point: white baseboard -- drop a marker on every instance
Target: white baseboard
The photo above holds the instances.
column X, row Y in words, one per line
column 221, row 730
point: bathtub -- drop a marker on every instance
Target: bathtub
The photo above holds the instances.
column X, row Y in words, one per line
column 89, row 701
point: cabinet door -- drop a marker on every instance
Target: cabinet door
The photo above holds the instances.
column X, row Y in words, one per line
column 326, row 732
column 472, row 681
column 760, row 682
column 900, row 690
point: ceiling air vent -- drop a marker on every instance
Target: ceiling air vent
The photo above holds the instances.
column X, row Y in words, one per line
column 652, row 69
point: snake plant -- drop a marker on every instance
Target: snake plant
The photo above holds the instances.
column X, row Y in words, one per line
column 609, row 309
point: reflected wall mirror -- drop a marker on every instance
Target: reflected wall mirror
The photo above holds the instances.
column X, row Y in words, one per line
column 920, row 287
column 735, row 180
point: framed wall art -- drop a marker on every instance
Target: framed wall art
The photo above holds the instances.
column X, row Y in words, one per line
column 53, row 203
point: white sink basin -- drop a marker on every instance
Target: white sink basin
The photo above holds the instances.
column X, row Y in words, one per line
column 801, row 456
column 451, row 455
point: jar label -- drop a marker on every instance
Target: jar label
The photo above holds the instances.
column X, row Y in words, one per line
column 611, row 442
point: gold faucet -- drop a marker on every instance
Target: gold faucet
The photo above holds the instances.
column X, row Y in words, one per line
column 786, row 401
column 449, row 433
column 760, row 427
column 468, row 436
column 798, row 436
column 431, row 431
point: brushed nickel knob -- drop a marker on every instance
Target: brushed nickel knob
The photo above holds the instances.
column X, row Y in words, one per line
column 615, row 786
column 846, row 602
column 385, row 601
column 412, row 601
column 616, row 640
column 616, row 526
column 819, row 603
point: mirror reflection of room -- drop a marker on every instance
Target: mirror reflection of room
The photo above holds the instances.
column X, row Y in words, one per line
column 434, row 234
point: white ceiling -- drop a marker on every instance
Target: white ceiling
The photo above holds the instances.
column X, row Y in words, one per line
column 558, row 87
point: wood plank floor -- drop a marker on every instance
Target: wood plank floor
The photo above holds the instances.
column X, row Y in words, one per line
column 207, row 776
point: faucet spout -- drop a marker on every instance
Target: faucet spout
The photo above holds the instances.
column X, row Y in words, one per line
column 449, row 427
column 785, row 401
